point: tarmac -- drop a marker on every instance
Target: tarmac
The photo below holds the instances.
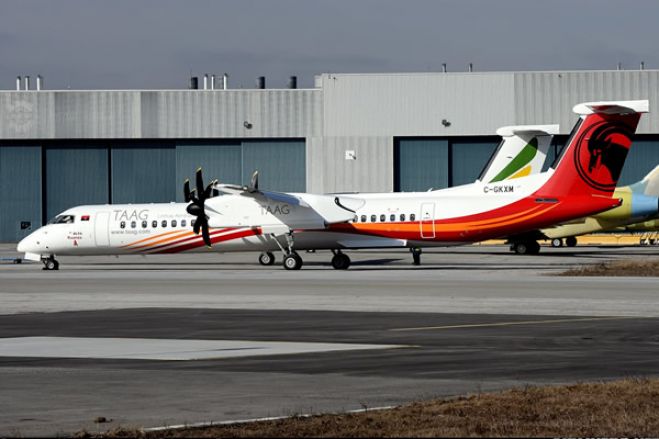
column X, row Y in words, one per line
column 169, row 340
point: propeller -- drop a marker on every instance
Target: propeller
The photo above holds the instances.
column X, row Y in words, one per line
column 197, row 198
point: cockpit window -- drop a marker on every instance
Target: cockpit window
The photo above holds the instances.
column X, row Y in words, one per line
column 62, row 219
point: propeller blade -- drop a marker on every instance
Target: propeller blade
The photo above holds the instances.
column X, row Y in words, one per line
column 186, row 190
column 200, row 183
column 196, row 226
column 205, row 234
column 254, row 183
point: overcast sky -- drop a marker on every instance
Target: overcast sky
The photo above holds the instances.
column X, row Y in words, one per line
column 126, row 44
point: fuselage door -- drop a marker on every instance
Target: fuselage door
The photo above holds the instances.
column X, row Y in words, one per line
column 427, row 220
column 102, row 229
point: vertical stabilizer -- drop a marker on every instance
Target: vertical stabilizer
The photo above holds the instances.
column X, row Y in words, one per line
column 522, row 151
column 593, row 158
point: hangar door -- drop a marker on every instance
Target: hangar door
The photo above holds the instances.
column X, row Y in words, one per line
column 20, row 191
column 75, row 176
column 281, row 163
column 143, row 173
column 468, row 158
column 420, row 164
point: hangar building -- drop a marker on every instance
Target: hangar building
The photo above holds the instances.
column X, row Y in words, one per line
column 351, row 132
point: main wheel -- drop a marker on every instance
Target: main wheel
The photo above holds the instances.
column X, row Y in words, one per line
column 571, row 241
column 340, row 261
column 293, row 262
column 520, row 248
column 557, row 242
column 416, row 256
column 266, row 258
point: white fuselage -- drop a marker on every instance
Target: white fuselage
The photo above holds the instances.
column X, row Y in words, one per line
column 241, row 223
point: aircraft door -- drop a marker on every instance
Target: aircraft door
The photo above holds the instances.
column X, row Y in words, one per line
column 427, row 220
column 102, row 229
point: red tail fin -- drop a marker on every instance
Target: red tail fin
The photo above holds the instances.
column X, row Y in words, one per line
column 592, row 160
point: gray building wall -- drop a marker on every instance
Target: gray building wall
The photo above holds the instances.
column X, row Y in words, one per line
column 139, row 145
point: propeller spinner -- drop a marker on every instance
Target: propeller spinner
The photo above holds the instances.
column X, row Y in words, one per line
column 197, row 198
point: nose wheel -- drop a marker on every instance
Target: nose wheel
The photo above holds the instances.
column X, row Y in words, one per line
column 266, row 258
column 50, row 264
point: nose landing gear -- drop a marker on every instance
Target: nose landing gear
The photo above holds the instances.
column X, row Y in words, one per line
column 50, row 263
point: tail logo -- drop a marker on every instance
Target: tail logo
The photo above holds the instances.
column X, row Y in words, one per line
column 600, row 154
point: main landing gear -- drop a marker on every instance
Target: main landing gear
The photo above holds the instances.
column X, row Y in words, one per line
column 525, row 247
column 340, row 261
column 50, row 263
column 570, row 241
column 416, row 255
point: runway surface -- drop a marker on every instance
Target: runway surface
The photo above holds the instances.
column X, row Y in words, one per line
column 468, row 320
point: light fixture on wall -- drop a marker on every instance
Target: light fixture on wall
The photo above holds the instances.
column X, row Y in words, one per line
column 247, row 125
column 446, row 123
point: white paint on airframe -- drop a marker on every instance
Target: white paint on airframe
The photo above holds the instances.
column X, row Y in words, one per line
column 162, row 349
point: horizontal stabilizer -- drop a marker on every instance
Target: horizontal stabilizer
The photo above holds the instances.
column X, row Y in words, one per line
column 531, row 130
column 613, row 107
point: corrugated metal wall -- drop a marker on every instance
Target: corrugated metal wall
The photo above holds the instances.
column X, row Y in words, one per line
column 548, row 97
column 20, row 190
column 166, row 114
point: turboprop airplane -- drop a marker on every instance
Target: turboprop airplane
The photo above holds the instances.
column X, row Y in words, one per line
column 640, row 204
column 164, row 228
column 248, row 218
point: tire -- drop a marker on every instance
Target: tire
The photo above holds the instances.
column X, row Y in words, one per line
column 340, row 261
column 266, row 258
column 571, row 241
column 557, row 242
column 50, row 264
column 293, row 262
column 521, row 248
column 416, row 256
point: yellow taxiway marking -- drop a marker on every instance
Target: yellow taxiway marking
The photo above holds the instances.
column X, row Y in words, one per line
column 526, row 322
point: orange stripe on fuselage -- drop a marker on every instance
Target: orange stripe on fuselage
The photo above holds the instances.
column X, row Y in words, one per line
column 156, row 236
column 170, row 238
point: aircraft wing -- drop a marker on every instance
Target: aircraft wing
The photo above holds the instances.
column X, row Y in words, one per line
column 331, row 208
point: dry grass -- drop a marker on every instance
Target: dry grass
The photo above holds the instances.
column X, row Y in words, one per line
column 626, row 408
column 617, row 268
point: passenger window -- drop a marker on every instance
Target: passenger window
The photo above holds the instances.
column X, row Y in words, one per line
column 122, row 225
column 144, row 224
column 412, row 217
column 154, row 224
column 173, row 223
column 164, row 223
column 363, row 218
column 183, row 223
column 383, row 218
column 373, row 218
column 133, row 224
column 392, row 218
column 402, row 217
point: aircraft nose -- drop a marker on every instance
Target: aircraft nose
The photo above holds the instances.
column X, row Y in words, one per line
column 29, row 244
